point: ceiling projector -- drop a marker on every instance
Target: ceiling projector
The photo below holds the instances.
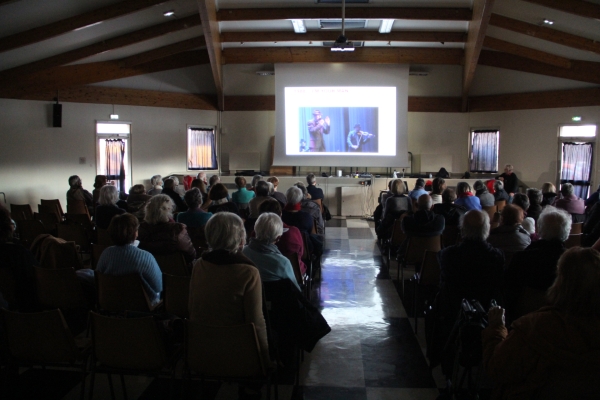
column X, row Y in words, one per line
column 342, row 44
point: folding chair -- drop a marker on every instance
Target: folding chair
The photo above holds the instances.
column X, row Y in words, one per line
column 122, row 293
column 500, row 204
column 21, row 212
column 491, row 210
column 303, row 280
column 414, row 253
column 576, row 228
column 397, row 238
column 176, row 294
column 573, row 241
column 75, row 232
column 173, row 264
column 77, row 207
column 450, row 236
column 28, row 230
column 52, row 206
column 427, row 279
column 198, row 239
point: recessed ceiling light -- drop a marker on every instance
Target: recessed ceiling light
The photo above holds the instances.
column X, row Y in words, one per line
column 386, row 25
column 576, row 118
column 298, row 25
column 169, row 13
column 548, row 22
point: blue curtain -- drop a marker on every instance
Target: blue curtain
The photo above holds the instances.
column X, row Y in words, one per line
column 577, row 166
column 484, row 151
column 343, row 120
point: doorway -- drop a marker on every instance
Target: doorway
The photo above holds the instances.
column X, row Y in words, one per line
column 577, row 144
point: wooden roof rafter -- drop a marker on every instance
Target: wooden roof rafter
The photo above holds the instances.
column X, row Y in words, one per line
column 210, row 26
column 576, row 7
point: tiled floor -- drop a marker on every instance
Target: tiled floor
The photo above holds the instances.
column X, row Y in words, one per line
column 371, row 352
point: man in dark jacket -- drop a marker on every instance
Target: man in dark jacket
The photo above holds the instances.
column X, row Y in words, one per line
column 423, row 223
column 169, row 190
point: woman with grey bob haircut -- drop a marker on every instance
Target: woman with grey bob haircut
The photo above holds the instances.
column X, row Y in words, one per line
column 554, row 224
column 294, row 195
column 159, row 209
column 271, row 264
column 157, row 185
column 108, row 206
column 225, row 231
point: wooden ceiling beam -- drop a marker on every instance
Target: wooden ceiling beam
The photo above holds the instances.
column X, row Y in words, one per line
column 77, row 22
column 544, row 33
column 101, row 47
column 411, row 13
column 584, row 71
column 129, row 97
column 522, row 51
column 576, row 7
column 210, row 26
column 161, row 52
column 537, row 100
column 375, row 55
column 482, row 10
column 59, row 78
column 320, row 36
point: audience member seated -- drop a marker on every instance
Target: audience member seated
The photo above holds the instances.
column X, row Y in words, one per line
column 198, row 183
column 243, row 196
column 469, row 270
column 293, row 215
column 529, row 225
column 157, row 185
column 194, row 217
column 418, row 191
column 271, row 264
column 280, row 197
column 20, row 262
column 383, row 195
column 177, row 188
column 219, row 200
column 591, row 226
column 315, row 192
column 451, row 212
column 255, row 179
column 99, row 182
column 290, row 244
column 107, row 207
column 510, row 180
column 160, row 234
column 535, row 203
column 552, row 353
column 510, row 236
column 486, row 199
column 214, row 179
column 569, row 202
column 499, row 192
column 437, row 188
column 309, row 206
column 225, row 287
column 549, row 193
column 169, row 190
column 465, row 197
column 593, row 199
column 124, row 259
column 202, row 177
column 262, row 194
column 77, row 192
column 136, row 201
column 395, row 206
column 423, row 223
column 535, row 267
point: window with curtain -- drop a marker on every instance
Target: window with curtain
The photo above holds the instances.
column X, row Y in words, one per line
column 113, row 157
column 484, row 150
column 115, row 162
column 202, row 148
column 576, row 166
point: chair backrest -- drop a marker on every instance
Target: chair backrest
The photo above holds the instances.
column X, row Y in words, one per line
column 198, row 238
column 29, row 230
column 21, row 212
column 430, row 269
column 451, row 235
column 59, row 288
column 576, row 228
column 53, row 206
column 121, row 293
column 8, row 285
column 223, row 351
column 50, row 220
column 320, row 204
column 573, row 241
column 74, row 232
column 97, row 250
column 398, row 236
column 41, row 337
column 173, row 264
column 176, row 294
column 417, row 246
column 500, row 204
column 102, row 237
column 491, row 210
column 83, row 219
column 296, row 267
column 575, row 218
column 77, row 207
column 127, row 343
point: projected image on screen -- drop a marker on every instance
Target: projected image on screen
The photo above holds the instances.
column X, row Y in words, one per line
column 339, row 129
column 346, row 121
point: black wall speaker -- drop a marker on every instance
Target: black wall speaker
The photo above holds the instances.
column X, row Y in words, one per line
column 56, row 115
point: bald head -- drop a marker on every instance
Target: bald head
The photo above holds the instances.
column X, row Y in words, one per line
column 424, row 203
column 475, row 225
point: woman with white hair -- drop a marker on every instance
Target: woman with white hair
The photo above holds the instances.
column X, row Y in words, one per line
column 225, row 288
column 292, row 214
column 107, row 206
column 157, row 185
column 262, row 250
column 160, row 234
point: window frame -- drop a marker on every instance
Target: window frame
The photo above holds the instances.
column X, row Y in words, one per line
column 187, row 151
column 470, row 148
column 128, row 137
